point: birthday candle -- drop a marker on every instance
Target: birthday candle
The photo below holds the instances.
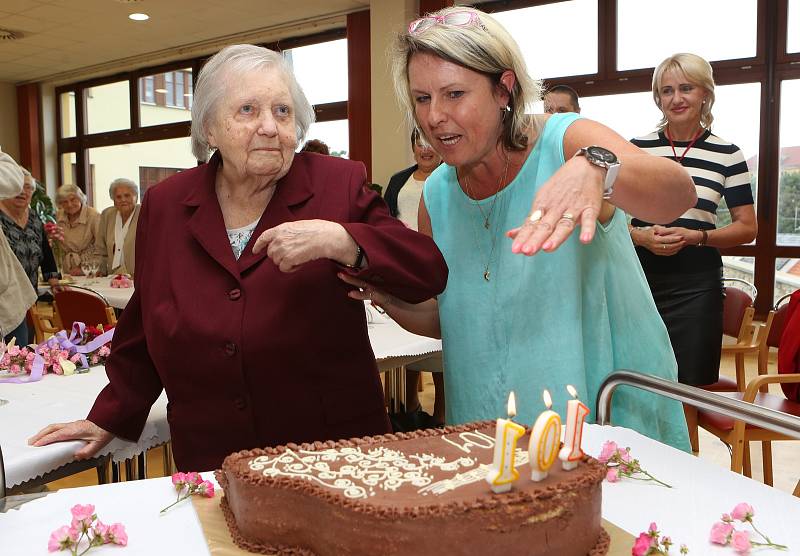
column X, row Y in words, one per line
column 502, row 471
column 544, row 442
column 571, row 453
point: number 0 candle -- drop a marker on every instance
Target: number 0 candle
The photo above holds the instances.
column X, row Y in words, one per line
column 544, row 442
column 571, row 453
column 502, row 471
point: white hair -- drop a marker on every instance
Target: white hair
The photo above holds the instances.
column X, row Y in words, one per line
column 227, row 65
column 63, row 192
column 126, row 183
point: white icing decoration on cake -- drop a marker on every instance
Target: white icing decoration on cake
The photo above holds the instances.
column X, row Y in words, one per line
column 357, row 473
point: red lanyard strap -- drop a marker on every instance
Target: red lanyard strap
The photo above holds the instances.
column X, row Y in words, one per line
column 689, row 146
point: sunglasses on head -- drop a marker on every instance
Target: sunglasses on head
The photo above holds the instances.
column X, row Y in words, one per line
column 458, row 19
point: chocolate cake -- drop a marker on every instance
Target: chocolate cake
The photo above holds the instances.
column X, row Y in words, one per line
column 420, row 493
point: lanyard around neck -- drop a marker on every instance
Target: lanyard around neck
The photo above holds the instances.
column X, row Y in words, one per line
column 689, row 146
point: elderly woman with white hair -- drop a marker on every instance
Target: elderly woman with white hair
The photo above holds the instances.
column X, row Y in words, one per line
column 238, row 311
column 79, row 222
column 116, row 234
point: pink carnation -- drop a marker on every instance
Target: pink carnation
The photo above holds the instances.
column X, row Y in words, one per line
column 104, row 351
column 15, row 368
column 13, row 351
column 612, row 476
column 720, row 533
column 193, row 478
column 608, row 451
column 179, row 480
column 116, row 534
column 206, row 488
column 642, row 545
column 743, row 512
column 62, row 538
column 100, row 529
column 741, row 542
column 83, row 513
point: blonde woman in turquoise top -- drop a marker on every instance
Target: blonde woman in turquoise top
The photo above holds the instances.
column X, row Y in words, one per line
column 510, row 189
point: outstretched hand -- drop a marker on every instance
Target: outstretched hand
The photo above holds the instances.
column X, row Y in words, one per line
column 292, row 244
column 571, row 197
column 87, row 431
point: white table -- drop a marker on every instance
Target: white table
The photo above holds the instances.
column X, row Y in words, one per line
column 116, row 297
column 55, row 399
column 702, row 492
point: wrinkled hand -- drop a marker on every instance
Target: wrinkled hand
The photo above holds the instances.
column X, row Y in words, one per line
column 87, row 431
column 292, row 244
column 366, row 291
column 53, row 283
column 572, row 196
column 663, row 241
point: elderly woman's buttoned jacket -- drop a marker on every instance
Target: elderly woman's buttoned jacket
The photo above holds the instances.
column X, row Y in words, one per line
column 105, row 242
column 250, row 356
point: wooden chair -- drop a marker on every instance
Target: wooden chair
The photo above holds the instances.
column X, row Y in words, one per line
column 750, row 338
column 78, row 304
column 738, row 434
column 43, row 322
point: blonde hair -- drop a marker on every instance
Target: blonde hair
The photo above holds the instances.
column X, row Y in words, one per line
column 484, row 47
column 698, row 71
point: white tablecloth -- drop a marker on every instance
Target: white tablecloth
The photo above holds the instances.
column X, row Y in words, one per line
column 389, row 340
column 116, row 297
column 702, row 492
column 55, row 399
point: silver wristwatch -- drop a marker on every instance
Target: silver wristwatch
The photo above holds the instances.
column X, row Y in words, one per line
column 603, row 158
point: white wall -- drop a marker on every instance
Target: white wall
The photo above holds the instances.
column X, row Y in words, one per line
column 9, row 128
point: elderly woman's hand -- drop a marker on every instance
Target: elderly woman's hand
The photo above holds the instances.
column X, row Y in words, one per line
column 87, row 431
column 572, row 196
column 292, row 244
column 660, row 240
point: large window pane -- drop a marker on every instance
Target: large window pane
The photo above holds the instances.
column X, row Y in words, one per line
column 556, row 39
column 788, row 229
column 67, row 106
column 68, row 169
column 144, row 163
column 651, row 30
column 787, row 277
column 630, row 115
column 742, row 268
column 165, row 97
column 107, row 107
column 321, row 70
column 334, row 134
column 793, row 27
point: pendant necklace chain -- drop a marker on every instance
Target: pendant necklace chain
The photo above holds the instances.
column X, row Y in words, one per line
column 486, row 220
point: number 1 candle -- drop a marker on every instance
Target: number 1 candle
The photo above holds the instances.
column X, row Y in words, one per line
column 502, row 471
column 571, row 453
column 544, row 442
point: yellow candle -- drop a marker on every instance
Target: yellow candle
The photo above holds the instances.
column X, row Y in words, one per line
column 544, row 443
column 571, row 453
column 502, row 471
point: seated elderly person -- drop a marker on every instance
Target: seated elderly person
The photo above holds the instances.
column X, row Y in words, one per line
column 79, row 222
column 239, row 312
column 116, row 233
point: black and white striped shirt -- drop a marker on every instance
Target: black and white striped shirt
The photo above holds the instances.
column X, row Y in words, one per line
column 718, row 170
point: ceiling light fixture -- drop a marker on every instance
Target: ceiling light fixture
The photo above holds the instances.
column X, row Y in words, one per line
column 6, row 35
column 139, row 17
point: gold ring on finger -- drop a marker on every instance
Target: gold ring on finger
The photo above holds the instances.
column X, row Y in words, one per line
column 568, row 216
column 663, row 245
column 536, row 216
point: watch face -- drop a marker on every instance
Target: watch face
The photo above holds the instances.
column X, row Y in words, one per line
column 600, row 153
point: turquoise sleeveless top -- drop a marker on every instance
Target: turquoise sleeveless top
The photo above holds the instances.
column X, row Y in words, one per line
column 567, row 317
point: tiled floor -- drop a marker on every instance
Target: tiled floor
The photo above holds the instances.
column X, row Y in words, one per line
column 785, row 454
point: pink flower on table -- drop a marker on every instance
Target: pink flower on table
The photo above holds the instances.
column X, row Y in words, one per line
column 82, row 515
column 116, row 534
column 741, row 542
column 720, row 533
column 642, row 545
column 30, row 356
column 13, row 351
column 62, row 538
column 206, row 488
column 727, row 518
column 179, row 480
column 100, row 529
column 743, row 512
column 104, row 351
column 15, row 368
column 193, row 478
column 612, row 476
column 609, row 449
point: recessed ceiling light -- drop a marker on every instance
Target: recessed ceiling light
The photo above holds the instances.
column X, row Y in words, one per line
column 139, row 17
column 162, row 91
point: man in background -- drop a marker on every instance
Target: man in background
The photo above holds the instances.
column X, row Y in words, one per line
column 561, row 98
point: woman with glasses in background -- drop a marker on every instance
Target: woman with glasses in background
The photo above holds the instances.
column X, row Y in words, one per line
column 512, row 186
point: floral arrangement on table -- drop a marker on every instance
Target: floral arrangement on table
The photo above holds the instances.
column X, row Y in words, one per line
column 651, row 543
column 61, row 354
column 619, row 463
column 55, row 237
column 724, row 533
column 188, row 484
column 121, row 281
column 86, row 527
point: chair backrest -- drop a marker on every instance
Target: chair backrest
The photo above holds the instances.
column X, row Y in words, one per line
column 778, row 322
column 75, row 304
column 737, row 313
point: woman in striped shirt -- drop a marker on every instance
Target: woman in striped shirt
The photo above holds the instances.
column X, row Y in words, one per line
column 681, row 260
